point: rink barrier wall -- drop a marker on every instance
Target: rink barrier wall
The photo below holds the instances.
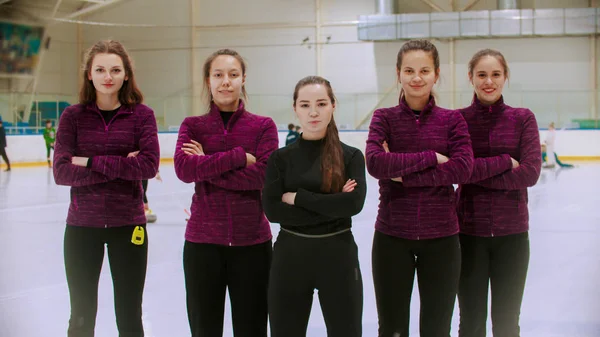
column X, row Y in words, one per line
column 571, row 145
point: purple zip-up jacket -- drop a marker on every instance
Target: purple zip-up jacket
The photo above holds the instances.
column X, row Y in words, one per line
column 422, row 206
column 226, row 206
column 109, row 194
column 493, row 202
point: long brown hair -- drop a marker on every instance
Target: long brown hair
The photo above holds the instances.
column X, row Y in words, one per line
column 332, row 156
column 129, row 94
column 206, row 72
column 412, row 45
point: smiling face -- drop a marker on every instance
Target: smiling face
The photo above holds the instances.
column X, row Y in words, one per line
column 488, row 77
column 108, row 74
column 314, row 108
column 226, row 79
column 417, row 74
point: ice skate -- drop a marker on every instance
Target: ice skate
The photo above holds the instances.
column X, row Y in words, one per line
column 150, row 217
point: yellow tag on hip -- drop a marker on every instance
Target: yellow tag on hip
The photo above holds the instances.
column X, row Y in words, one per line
column 137, row 238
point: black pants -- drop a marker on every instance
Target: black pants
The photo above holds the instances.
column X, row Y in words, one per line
column 84, row 253
column 4, row 156
column 502, row 261
column 437, row 263
column 301, row 265
column 210, row 270
column 48, row 147
column 145, row 188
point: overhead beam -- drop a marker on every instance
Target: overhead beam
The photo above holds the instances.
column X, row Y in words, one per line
column 469, row 5
column 91, row 9
column 433, row 5
column 56, row 6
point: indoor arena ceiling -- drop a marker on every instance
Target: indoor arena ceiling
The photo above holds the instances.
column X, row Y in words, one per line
column 42, row 10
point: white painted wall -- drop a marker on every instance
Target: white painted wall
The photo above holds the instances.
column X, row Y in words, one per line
column 59, row 70
column 580, row 143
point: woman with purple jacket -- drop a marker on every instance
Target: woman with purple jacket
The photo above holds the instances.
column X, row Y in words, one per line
column 418, row 151
column 105, row 146
column 227, row 238
column 492, row 207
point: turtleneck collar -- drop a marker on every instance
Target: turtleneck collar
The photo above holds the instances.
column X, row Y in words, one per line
column 310, row 143
column 498, row 106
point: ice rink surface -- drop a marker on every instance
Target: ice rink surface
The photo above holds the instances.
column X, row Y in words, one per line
column 562, row 295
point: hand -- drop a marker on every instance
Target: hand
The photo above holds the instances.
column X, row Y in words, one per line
column 133, row 154
column 515, row 163
column 79, row 161
column 349, row 186
column 193, row 149
column 441, row 158
column 289, row 198
column 158, row 177
column 250, row 159
column 386, row 147
column 399, row 179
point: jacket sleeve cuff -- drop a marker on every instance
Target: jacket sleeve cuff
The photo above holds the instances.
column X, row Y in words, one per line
column 506, row 162
column 239, row 157
column 431, row 159
column 301, row 199
column 89, row 163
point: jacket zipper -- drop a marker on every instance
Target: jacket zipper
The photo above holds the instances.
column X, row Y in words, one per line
column 230, row 228
column 106, row 127
column 492, row 198
column 419, row 203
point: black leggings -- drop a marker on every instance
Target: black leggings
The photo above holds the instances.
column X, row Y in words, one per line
column 4, row 156
column 84, row 253
column 437, row 263
column 301, row 265
column 501, row 261
column 244, row 271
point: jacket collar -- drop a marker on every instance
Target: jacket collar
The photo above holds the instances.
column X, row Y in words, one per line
column 497, row 107
column 426, row 109
column 215, row 113
column 122, row 109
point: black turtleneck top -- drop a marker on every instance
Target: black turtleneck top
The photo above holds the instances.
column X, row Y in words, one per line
column 297, row 168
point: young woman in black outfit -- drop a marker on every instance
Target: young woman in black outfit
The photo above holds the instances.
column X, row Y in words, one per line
column 313, row 187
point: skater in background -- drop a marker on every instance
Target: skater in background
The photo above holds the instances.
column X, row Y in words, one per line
column 417, row 150
column 550, row 141
column 313, row 187
column 150, row 216
column 492, row 207
column 49, row 139
column 549, row 155
column 292, row 135
column 3, row 146
column 228, row 238
column 560, row 163
column 94, row 145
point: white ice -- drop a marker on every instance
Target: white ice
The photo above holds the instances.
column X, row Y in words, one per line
column 562, row 296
